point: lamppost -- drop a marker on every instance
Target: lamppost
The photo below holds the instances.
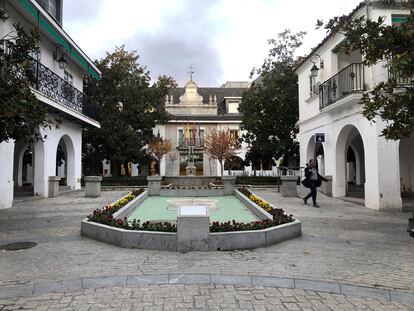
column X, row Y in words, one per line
column 314, row 70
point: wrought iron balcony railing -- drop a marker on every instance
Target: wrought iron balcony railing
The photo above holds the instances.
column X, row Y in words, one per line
column 56, row 88
column 348, row 80
column 399, row 78
column 51, row 85
column 197, row 143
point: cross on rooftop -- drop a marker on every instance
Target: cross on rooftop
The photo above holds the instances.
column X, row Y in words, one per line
column 191, row 72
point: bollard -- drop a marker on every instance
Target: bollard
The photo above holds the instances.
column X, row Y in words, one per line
column 93, row 186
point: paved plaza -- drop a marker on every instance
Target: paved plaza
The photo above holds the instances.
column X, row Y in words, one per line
column 349, row 258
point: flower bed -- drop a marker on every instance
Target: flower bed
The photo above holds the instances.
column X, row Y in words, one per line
column 279, row 217
column 105, row 216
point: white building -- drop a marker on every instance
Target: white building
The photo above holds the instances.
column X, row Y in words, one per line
column 200, row 109
column 60, row 89
column 361, row 162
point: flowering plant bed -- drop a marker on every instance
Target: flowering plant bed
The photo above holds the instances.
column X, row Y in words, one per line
column 263, row 204
column 278, row 215
column 256, row 225
column 105, row 216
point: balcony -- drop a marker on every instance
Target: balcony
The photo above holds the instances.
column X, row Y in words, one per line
column 400, row 79
column 54, row 87
column 349, row 80
column 196, row 143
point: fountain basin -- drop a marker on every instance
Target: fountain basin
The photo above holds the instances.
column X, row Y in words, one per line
column 170, row 241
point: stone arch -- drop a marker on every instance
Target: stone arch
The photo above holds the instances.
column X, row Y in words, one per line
column 406, row 151
column 70, row 162
column 349, row 138
column 24, row 168
column 315, row 150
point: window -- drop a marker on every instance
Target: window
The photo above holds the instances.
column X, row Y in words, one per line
column 35, row 54
column 312, row 86
column 190, row 140
column 68, row 77
column 235, row 134
column 233, row 107
column 397, row 20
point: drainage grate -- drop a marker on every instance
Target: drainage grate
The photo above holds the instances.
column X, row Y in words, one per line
column 17, row 246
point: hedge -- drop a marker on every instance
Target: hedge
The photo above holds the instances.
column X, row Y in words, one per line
column 258, row 180
column 142, row 180
column 125, row 181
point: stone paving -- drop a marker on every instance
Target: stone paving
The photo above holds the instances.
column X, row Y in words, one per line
column 197, row 297
column 341, row 242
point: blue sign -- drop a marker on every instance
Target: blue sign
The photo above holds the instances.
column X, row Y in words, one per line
column 319, row 137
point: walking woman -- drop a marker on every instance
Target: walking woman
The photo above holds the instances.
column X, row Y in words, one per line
column 312, row 180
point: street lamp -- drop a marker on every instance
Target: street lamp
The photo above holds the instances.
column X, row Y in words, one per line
column 314, row 70
column 63, row 63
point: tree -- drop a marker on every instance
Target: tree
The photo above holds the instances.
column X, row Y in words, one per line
column 158, row 147
column 21, row 114
column 128, row 110
column 391, row 100
column 270, row 106
column 221, row 145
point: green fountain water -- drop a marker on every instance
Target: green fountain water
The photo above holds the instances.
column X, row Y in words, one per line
column 221, row 209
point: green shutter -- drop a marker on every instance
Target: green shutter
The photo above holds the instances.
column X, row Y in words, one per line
column 398, row 19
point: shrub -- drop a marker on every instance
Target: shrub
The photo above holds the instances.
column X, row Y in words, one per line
column 125, row 181
column 258, row 180
column 257, row 225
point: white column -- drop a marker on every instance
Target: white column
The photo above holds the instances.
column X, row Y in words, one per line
column 19, row 166
column 134, row 169
column 40, row 174
column 382, row 187
column 163, row 167
column 6, row 174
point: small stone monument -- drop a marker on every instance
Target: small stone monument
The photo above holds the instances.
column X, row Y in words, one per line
column 288, row 186
column 193, row 228
column 93, row 186
column 54, row 186
column 154, row 185
column 228, row 184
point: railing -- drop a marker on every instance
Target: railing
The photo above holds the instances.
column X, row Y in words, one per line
column 399, row 78
column 348, row 80
column 276, row 171
column 54, row 87
column 197, row 143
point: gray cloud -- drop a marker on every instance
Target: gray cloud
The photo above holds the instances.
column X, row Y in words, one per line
column 186, row 38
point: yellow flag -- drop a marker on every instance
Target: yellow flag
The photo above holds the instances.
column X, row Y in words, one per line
column 187, row 134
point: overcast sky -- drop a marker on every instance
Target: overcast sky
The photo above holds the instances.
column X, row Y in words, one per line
column 222, row 39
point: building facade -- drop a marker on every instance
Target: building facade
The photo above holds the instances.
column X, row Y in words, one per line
column 333, row 130
column 60, row 67
column 195, row 111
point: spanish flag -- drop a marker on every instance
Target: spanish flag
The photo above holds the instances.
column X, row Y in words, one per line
column 195, row 134
column 187, row 134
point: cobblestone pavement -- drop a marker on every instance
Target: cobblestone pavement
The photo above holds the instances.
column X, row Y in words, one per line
column 341, row 242
column 197, row 297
